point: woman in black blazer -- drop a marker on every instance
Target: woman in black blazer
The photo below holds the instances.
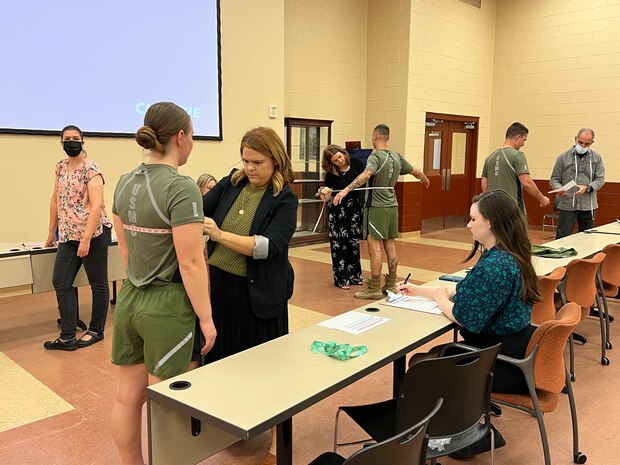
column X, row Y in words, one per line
column 250, row 217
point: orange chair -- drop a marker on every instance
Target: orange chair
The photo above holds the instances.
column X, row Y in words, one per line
column 609, row 282
column 579, row 286
column 545, row 309
column 546, row 375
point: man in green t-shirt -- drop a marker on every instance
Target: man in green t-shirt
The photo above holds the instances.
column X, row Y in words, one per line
column 381, row 209
column 506, row 169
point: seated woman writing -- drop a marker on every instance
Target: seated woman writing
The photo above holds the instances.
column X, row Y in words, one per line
column 494, row 302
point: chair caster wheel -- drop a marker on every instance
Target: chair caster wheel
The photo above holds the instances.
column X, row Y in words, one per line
column 609, row 345
column 496, row 410
column 605, row 361
column 572, row 377
column 113, row 302
column 565, row 390
column 580, row 458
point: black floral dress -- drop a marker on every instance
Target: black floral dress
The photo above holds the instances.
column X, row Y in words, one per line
column 345, row 227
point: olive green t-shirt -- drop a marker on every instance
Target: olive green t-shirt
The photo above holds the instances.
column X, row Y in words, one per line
column 150, row 201
column 502, row 169
column 386, row 166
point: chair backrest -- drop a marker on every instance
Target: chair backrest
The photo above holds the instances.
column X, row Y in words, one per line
column 545, row 309
column 550, row 338
column 610, row 269
column 405, row 448
column 556, row 205
column 579, row 286
column 463, row 381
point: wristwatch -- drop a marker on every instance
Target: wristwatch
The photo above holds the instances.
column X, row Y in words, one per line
column 590, row 189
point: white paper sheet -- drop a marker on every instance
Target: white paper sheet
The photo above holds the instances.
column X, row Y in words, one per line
column 420, row 304
column 565, row 188
column 354, row 322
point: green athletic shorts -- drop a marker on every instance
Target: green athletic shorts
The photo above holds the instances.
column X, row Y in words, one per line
column 381, row 222
column 154, row 325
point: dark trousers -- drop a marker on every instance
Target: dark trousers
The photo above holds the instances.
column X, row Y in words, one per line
column 66, row 268
column 566, row 222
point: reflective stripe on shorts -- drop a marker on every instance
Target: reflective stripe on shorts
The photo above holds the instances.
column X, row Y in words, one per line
column 173, row 351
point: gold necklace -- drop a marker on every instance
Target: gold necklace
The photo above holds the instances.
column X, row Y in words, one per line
column 243, row 204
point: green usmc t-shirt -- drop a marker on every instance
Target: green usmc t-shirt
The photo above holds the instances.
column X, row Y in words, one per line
column 386, row 166
column 150, row 201
column 502, row 169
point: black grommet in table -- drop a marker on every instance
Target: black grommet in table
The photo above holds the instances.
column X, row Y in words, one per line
column 180, row 385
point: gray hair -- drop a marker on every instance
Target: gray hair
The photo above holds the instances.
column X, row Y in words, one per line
column 584, row 130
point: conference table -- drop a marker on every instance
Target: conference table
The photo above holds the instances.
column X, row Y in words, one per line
column 15, row 266
column 586, row 244
column 195, row 415
column 31, row 264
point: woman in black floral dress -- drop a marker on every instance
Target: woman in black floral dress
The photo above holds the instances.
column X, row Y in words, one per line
column 344, row 220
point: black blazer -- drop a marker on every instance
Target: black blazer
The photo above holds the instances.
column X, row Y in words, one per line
column 270, row 280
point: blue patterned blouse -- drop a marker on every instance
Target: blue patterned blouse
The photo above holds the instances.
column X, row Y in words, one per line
column 487, row 301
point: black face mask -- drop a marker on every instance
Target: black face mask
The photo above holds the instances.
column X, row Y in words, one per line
column 72, row 147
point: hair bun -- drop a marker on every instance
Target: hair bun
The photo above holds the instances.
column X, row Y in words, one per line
column 147, row 137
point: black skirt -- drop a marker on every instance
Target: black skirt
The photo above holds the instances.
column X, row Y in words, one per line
column 507, row 379
column 237, row 326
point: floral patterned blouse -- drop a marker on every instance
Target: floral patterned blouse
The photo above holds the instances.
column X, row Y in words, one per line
column 488, row 300
column 73, row 201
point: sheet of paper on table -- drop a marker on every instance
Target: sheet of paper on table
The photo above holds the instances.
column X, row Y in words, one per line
column 565, row 188
column 420, row 304
column 354, row 322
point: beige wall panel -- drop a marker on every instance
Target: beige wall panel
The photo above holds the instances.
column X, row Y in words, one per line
column 557, row 68
column 325, row 64
column 450, row 68
column 388, row 65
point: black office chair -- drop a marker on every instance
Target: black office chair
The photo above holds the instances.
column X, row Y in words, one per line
column 405, row 448
column 552, row 217
column 464, row 382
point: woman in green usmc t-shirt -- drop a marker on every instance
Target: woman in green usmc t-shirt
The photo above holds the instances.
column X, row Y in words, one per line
column 158, row 219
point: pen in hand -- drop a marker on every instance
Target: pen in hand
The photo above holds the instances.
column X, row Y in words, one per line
column 401, row 287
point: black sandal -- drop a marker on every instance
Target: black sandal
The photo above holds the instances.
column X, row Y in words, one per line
column 94, row 337
column 59, row 344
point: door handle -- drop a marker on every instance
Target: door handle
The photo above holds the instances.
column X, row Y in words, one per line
column 448, row 179
column 443, row 179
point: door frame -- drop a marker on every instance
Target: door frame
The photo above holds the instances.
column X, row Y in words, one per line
column 471, row 155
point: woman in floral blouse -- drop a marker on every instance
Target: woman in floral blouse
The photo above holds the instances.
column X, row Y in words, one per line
column 494, row 302
column 77, row 212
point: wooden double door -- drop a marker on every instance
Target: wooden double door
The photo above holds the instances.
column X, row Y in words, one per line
column 450, row 164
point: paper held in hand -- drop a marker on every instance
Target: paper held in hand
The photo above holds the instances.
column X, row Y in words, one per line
column 565, row 188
